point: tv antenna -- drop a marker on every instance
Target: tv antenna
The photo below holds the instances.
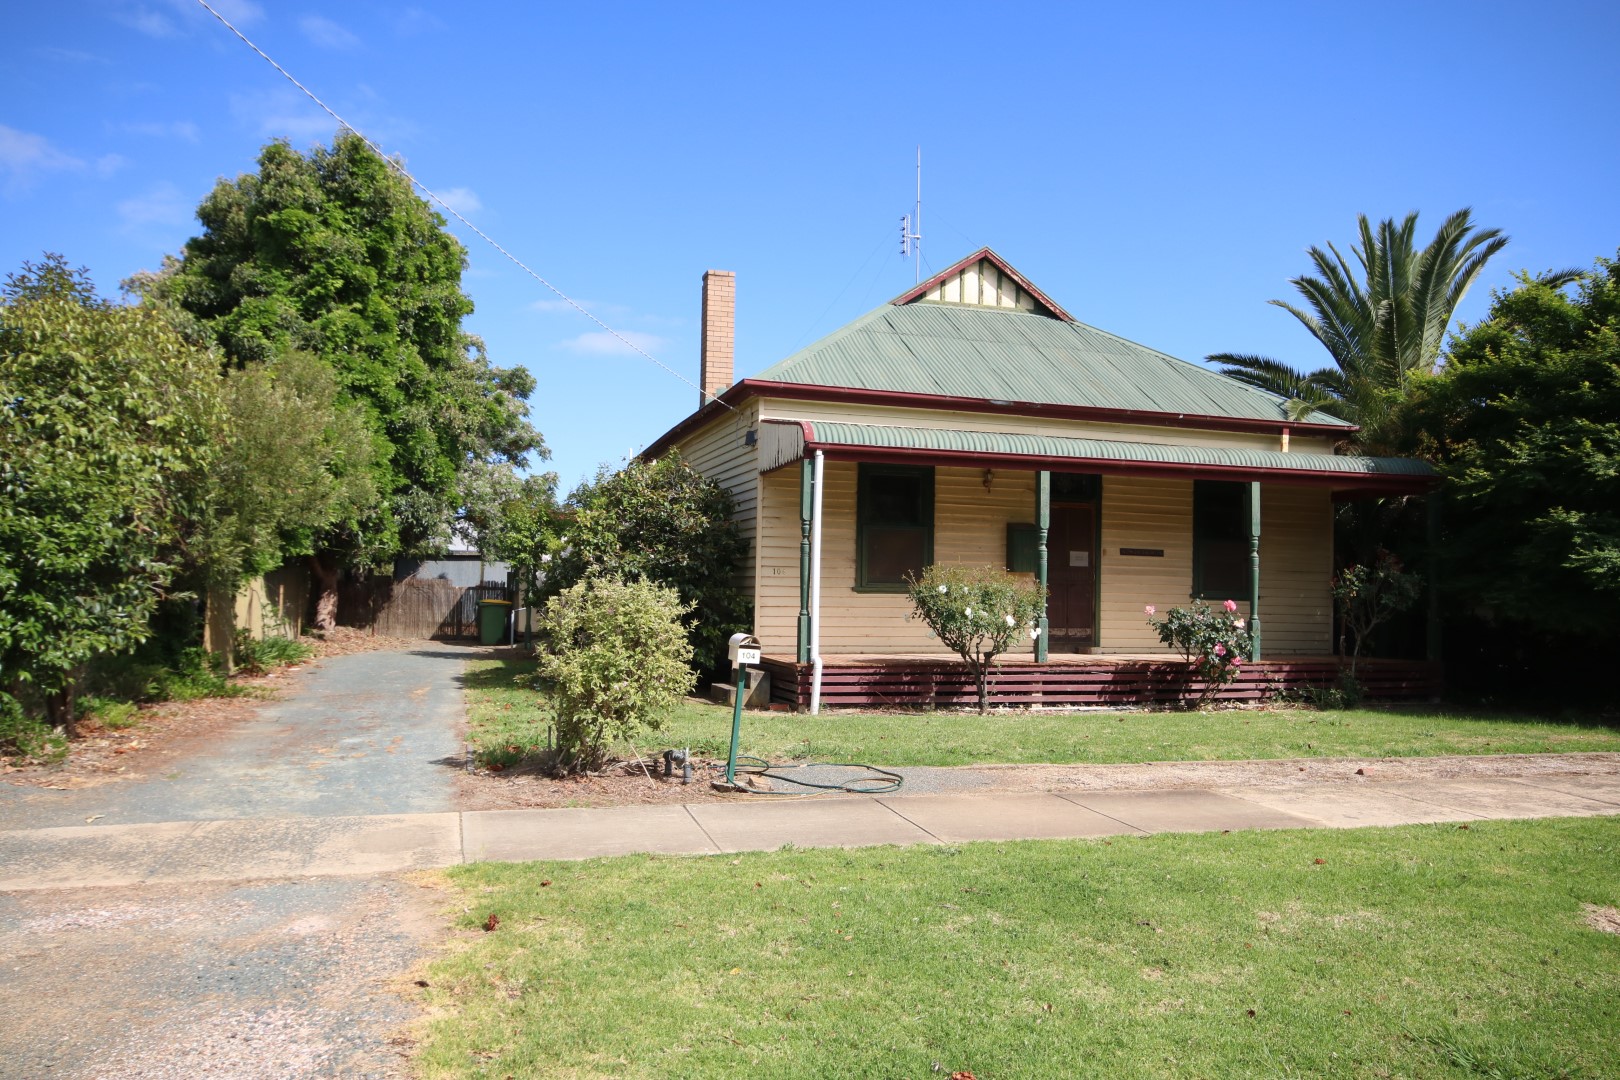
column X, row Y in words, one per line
column 911, row 226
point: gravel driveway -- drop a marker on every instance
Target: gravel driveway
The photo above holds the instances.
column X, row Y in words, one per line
column 256, row 979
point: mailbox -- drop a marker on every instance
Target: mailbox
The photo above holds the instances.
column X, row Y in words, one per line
column 744, row 649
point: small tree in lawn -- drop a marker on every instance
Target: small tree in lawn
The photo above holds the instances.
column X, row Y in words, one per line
column 978, row 611
column 1370, row 595
column 617, row 659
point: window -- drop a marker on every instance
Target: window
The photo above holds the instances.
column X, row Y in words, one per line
column 894, row 531
column 1220, row 539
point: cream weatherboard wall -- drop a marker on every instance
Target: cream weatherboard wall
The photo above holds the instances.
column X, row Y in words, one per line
column 1296, row 564
column 721, row 451
column 970, row 523
column 970, row 527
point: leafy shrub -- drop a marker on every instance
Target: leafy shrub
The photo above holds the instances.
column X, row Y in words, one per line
column 24, row 736
column 665, row 522
column 978, row 612
column 616, row 662
column 109, row 713
column 196, row 674
column 1346, row 695
column 258, row 655
column 1215, row 643
column 1369, row 595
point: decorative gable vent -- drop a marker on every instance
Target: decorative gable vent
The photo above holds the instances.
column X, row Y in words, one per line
column 984, row 279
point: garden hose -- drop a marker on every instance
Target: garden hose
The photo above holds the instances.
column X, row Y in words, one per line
column 881, row 782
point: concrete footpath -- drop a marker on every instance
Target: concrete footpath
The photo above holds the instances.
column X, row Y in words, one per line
column 252, row 849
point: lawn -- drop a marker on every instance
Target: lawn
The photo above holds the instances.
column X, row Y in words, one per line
column 504, row 714
column 1421, row 951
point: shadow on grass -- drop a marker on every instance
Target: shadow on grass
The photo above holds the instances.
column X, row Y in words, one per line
column 503, row 675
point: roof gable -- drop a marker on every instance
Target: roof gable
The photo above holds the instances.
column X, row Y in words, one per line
column 983, row 279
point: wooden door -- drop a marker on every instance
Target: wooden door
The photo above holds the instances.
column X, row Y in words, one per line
column 1071, row 576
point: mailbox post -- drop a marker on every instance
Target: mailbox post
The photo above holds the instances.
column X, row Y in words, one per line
column 744, row 651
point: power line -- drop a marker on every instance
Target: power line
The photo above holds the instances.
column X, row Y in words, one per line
column 452, row 211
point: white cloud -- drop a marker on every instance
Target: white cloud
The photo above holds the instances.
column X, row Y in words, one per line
column 178, row 129
column 25, row 156
column 326, row 34
column 283, row 113
column 107, row 164
column 462, row 200
column 161, row 204
column 413, row 20
column 601, row 343
column 183, row 16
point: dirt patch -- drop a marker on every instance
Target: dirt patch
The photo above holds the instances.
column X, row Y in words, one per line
column 478, row 789
column 621, row 785
column 1288, row 772
column 1601, row 918
column 105, row 755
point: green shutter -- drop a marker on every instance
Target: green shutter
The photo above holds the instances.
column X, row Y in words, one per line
column 1021, row 549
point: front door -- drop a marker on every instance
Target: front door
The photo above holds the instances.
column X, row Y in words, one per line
column 1071, row 577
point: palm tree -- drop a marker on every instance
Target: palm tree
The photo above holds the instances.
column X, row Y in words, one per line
column 1383, row 324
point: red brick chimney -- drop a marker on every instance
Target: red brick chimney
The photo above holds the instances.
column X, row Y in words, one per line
column 719, row 332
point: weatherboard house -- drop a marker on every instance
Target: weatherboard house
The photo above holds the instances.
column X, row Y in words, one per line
column 972, row 420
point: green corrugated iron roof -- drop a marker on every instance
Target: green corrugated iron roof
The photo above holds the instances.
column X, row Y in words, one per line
column 997, row 354
column 957, row 441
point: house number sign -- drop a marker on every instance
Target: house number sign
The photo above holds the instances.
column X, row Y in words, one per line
column 1152, row 553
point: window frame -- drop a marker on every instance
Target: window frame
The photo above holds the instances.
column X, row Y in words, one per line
column 1201, row 531
column 865, row 472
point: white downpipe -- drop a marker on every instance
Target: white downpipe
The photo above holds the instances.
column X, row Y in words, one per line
column 815, row 583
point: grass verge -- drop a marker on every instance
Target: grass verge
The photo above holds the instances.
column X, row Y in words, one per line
column 508, row 720
column 1434, row 951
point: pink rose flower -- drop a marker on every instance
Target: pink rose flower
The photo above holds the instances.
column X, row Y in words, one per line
column 1220, row 650
column 1229, row 605
column 1237, row 661
column 1150, row 610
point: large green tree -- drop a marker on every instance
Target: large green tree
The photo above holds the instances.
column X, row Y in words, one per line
column 109, row 423
column 1524, row 422
column 1383, row 320
column 332, row 253
column 665, row 522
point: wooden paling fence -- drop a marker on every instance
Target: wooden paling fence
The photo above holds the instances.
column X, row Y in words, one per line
column 417, row 607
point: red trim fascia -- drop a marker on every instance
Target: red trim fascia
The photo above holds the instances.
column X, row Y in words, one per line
column 943, row 402
column 1111, row 467
column 744, row 389
column 1001, row 264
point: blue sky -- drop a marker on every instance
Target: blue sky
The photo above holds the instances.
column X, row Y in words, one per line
column 1156, row 169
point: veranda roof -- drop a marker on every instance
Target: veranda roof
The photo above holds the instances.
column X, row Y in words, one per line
column 785, row 441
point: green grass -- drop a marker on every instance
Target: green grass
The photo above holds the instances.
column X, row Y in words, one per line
column 109, row 713
column 507, row 719
column 1422, row 951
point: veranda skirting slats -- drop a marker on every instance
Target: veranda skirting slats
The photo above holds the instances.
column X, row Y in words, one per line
column 1078, row 681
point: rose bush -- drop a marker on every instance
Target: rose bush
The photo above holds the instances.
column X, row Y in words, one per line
column 1217, row 643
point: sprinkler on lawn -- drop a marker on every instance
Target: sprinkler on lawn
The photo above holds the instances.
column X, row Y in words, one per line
column 683, row 758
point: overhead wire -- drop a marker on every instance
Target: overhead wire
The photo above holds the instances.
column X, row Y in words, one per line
column 452, row 211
